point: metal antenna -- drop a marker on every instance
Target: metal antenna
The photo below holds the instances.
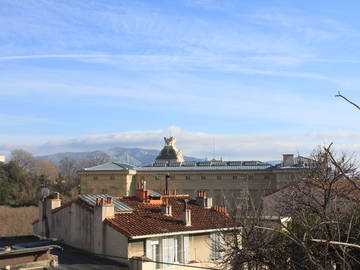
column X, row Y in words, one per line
column 214, row 147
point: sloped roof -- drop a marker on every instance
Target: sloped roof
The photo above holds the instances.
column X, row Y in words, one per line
column 90, row 199
column 147, row 219
column 110, row 166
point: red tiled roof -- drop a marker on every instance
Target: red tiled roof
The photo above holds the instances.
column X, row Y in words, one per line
column 148, row 219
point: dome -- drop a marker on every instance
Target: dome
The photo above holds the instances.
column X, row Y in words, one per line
column 170, row 152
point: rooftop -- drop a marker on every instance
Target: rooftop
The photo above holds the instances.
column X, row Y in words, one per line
column 110, row 166
column 148, row 219
column 206, row 166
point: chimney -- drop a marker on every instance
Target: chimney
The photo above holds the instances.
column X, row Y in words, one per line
column 167, row 208
column 220, row 209
column 203, row 201
column 186, row 214
column 104, row 208
column 46, row 205
column 142, row 194
column 288, row 160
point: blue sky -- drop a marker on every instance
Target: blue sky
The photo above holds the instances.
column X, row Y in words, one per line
column 256, row 77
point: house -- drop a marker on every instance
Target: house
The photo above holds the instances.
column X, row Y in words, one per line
column 227, row 182
column 148, row 230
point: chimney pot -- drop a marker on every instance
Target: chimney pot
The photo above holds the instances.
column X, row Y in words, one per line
column 168, row 210
column 109, row 200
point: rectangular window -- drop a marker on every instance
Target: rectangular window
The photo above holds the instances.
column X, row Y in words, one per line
column 187, row 177
column 218, row 177
column 203, row 177
column 173, row 249
column 95, row 177
column 235, row 177
column 215, row 245
column 112, row 177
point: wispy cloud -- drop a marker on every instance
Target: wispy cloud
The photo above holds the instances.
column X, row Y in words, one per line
column 243, row 65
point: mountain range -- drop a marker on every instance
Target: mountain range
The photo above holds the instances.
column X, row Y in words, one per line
column 132, row 156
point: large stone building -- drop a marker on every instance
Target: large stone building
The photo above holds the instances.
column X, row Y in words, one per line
column 227, row 182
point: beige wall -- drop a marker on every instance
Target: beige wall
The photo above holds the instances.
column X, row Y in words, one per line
column 115, row 244
column 116, row 184
column 74, row 225
column 136, row 248
column 226, row 188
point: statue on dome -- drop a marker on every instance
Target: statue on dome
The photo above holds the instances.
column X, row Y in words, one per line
column 170, row 153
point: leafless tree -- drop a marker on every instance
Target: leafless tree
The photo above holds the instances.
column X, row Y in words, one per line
column 47, row 169
column 68, row 167
column 94, row 159
column 24, row 159
column 321, row 222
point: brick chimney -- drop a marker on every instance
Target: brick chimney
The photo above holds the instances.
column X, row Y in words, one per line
column 104, row 208
column 186, row 217
column 220, row 209
column 202, row 200
column 142, row 194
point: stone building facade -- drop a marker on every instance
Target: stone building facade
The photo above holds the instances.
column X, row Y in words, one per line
column 227, row 182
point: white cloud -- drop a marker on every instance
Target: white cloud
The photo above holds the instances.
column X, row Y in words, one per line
column 199, row 144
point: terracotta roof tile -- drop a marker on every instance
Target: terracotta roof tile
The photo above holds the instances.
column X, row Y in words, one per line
column 148, row 219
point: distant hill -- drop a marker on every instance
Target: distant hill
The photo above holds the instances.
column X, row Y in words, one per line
column 132, row 156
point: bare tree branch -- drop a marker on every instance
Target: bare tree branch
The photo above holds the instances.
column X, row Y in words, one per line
column 345, row 98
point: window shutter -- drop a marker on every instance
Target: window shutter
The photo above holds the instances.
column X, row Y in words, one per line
column 148, row 251
column 212, row 245
column 171, row 249
column 186, row 249
column 175, row 246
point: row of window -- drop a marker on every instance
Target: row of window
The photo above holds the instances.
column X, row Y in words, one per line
column 112, row 177
column 203, row 177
